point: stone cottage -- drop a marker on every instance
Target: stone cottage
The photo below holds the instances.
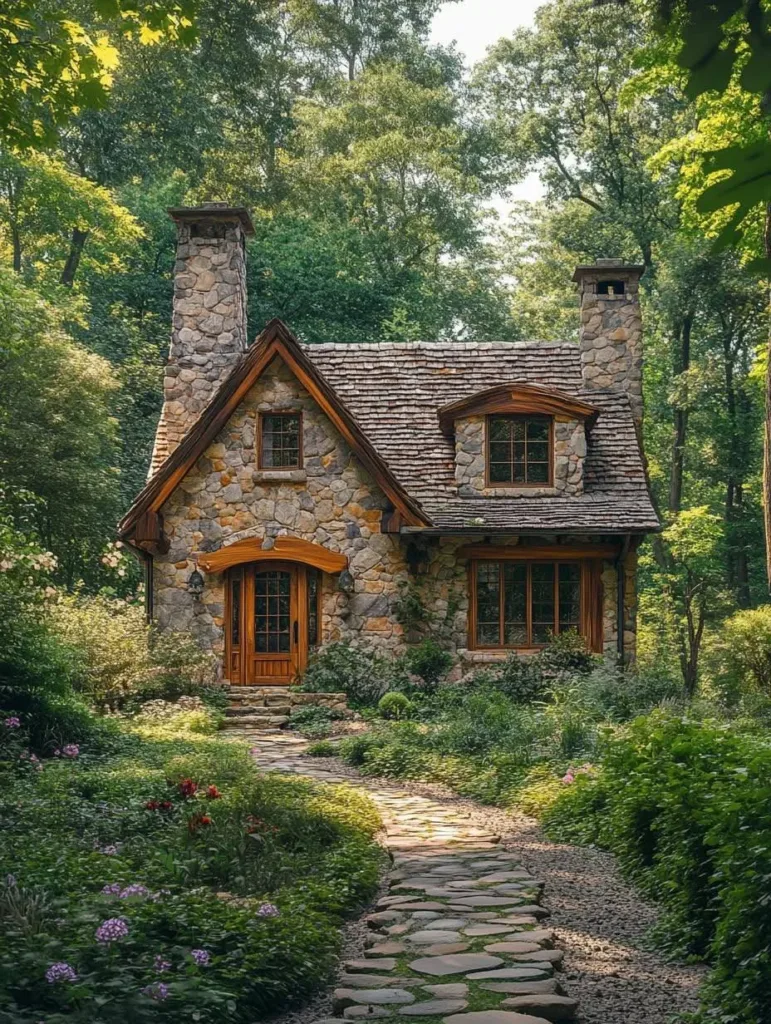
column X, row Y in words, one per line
column 299, row 491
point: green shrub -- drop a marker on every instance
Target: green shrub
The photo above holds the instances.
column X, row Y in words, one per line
column 520, row 679
column 567, row 652
column 395, row 706
column 686, row 806
column 740, row 654
column 430, row 662
column 362, row 674
column 313, row 720
column 322, row 748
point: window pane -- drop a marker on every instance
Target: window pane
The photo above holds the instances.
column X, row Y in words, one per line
column 235, row 612
column 488, row 604
column 543, row 602
column 280, row 441
column 271, row 612
column 570, row 597
column 313, row 607
column 500, row 472
column 537, row 430
column 515, row 604
column 538, row 473
column 500, row 429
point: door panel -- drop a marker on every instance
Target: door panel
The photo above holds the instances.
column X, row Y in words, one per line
column 272, row 628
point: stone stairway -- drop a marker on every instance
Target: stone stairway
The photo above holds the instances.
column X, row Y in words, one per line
column 267, row 708
column 258, row 708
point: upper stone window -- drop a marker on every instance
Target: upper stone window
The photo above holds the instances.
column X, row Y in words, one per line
column 519, row 451
column 280, row 441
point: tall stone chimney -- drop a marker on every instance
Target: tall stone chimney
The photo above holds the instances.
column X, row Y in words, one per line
column 611, row 328
column 208, row 333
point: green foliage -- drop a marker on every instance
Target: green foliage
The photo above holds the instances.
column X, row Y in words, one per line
column 430, row 661
column 685, row 806
column 741, row 654
column 209, row 861
column 322, row 748
column 359, row 672
column 313, row 720
column 395, row 706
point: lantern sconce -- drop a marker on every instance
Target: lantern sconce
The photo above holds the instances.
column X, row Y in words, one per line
column 195, row 584
column 345, row 582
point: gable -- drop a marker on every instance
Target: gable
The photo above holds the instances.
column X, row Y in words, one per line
column 275, row 341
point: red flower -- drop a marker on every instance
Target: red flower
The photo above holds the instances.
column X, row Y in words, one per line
column 188, row 788
column 196, row 821
column 213, row 793
column 166, row 805
column 152, row 805
column 205, row 819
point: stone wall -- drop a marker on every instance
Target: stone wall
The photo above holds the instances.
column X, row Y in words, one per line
column 332, row 501
column 470, row 458
column 209, row 321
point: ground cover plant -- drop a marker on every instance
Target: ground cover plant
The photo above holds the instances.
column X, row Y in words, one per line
column 155, row 873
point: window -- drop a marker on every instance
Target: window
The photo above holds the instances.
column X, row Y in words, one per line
column 521, row 604
column 519, row 451
column 280, row 440
column 314, row 600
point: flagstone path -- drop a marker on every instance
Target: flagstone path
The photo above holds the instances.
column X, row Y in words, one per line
column 461, row 937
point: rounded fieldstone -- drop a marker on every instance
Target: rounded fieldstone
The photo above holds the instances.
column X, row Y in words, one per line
column 510, row 974
column 343, row 997
column 434, row 1006
column 493, row 1017
column 426, row 937
column 516, row 947
column 548, row 1005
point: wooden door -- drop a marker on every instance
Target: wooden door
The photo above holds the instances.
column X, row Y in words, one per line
column 273, row 616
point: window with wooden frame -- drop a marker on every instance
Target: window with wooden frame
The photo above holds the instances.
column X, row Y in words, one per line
column 520, row 451
column 515, row 604
column 279, row 440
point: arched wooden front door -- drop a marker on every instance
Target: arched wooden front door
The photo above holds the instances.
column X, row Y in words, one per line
column 272, row 618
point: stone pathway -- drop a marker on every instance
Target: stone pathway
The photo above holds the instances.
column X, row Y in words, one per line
column 461, row 937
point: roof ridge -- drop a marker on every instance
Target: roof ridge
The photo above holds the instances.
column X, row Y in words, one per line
column 416, row 346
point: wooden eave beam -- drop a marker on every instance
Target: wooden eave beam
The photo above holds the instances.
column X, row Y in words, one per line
column 551, row 552
column 285, row 549
column 517, row 399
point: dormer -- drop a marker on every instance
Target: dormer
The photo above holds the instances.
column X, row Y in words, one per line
column 518, row 440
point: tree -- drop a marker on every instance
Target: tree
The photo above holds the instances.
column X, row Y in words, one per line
column 56, row 58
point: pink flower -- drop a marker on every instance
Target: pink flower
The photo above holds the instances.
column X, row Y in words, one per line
column 268, row 910
column 71, row 750
column 568, row 777
column 12, row 722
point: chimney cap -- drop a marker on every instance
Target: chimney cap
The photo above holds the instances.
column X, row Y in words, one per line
column 606, row 265
column 213, row 211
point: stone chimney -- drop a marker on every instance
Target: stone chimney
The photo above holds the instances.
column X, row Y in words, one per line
column 208, row 333
column 611, row 328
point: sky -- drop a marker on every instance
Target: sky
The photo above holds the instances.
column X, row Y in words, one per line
column 473, row 25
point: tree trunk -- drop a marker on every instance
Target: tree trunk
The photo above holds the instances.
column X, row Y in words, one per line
column 767, row 429
column 16, row 241
column 77, row 244
column 680, row 421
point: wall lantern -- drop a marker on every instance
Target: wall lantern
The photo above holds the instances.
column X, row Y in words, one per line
column 345, row 582
column 195, row 584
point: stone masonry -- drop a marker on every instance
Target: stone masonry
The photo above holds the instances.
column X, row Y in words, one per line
column 611, row 329
column 209, row 322
column 470, row 455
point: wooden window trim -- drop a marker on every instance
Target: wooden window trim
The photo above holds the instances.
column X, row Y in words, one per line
column 513, row 484
column 300, row 452
column 591, row 599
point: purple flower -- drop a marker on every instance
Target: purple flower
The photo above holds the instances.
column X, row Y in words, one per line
column 13, row 723
column 111, row 930
column 109, row 851
column 201, row 957
column 134, row 890
column 268, row 910
column 113, row 889
column 160, row 964
column 71, row 750
column 158, row 990
column 60, row 972
column 10, row 881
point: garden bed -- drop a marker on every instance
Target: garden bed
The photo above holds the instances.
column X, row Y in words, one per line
column 156, row 874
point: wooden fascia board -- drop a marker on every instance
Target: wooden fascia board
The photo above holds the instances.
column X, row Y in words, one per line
column 285, row 549
column 552, row 552
column 276, row 341
column 517, row 398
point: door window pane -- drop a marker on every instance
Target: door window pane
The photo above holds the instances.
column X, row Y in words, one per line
column 235, row 612
column 313, row 607
column 271, row 612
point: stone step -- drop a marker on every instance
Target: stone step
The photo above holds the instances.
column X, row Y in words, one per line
column 241, row 710
column 256, row 721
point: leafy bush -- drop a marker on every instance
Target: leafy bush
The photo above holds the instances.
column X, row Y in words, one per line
column 122, row 661
column 395, row 706
column 322, row 748
column 567, row 652
column 362, row 674
column 313, row 720
column 185, row 847
column 686, row 806
column 740, row 656
column 520, row 679
column 429, row 661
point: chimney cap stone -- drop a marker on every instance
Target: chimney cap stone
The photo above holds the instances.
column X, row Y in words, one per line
column 606, row 264
column 213, row 211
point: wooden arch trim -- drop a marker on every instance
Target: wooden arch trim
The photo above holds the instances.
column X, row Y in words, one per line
column 275, row 340
column 285, row 549
column 517, row 398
